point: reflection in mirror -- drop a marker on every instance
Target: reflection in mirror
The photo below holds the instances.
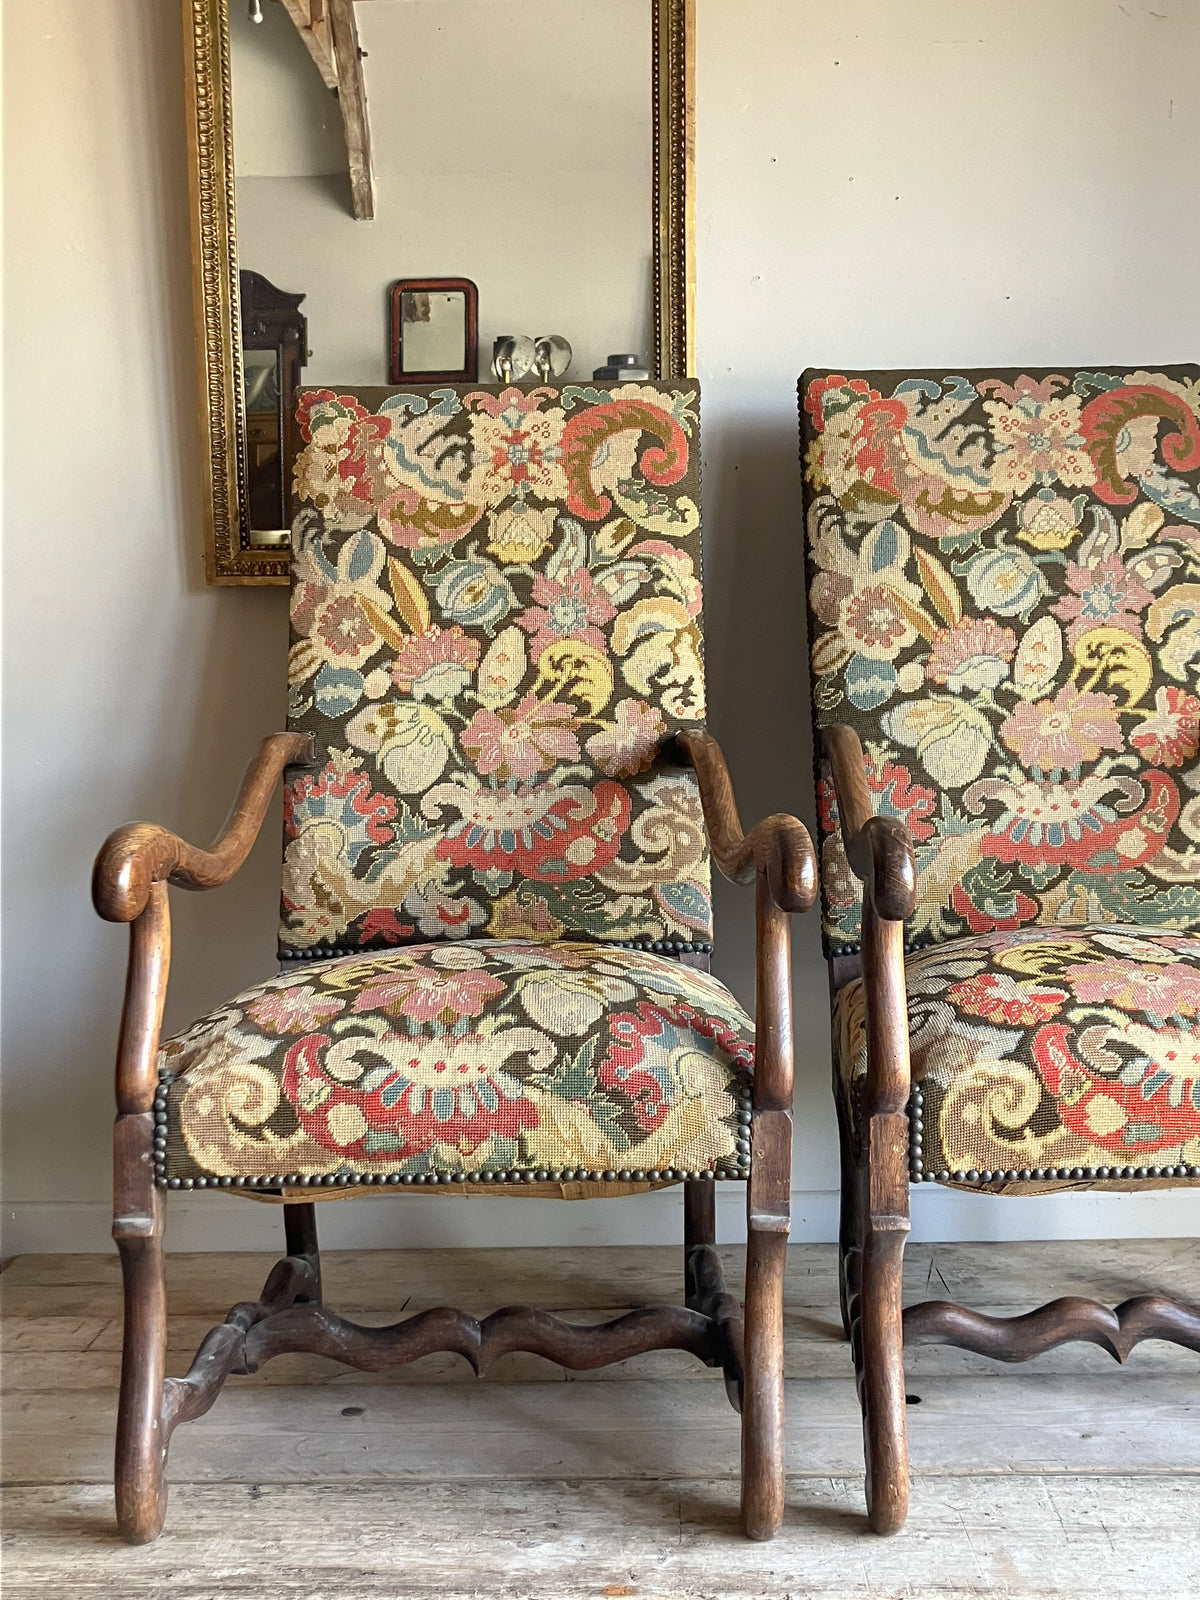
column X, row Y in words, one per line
column 433, row 333
column 511, row 143
column 274, row 349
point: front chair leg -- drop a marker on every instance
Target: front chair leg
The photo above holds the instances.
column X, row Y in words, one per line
column 138, row 1230
column 881, row 1326
column 767, row 1216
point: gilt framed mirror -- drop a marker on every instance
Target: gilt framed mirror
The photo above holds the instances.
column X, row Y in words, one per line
column 539, row 149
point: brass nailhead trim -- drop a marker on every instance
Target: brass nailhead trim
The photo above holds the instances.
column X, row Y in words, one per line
column 663, row 947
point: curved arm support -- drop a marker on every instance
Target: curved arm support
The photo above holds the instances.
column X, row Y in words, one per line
column 878, row 849
column 141, row 854
column 779, row 846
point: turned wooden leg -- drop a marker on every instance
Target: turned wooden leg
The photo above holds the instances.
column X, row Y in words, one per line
column 699, row 1229
column 881, row 1326
column 768, row 1218
column 850, row 1226
column 300, row 1232
column 138, row 1230
column 762, row 1389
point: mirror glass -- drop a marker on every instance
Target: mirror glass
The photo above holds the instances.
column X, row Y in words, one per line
column 433, row 330
column 511, row 143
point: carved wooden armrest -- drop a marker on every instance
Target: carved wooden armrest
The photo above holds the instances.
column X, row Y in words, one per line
column 141, row 854
column 878, row 849
column 779, row 845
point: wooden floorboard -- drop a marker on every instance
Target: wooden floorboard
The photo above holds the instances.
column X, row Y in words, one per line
column 1066, row 1477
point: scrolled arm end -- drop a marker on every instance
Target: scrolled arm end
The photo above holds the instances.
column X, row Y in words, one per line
column 141, row 854
column 132, row 859
column 879, row 849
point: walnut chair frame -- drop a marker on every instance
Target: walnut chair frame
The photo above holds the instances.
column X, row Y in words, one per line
column 876, row 1175
column 130, row 885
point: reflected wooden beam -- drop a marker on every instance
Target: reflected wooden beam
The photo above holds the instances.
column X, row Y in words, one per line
column 312, row 24
column 352, row 98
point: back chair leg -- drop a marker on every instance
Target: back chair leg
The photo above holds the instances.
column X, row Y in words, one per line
column 141, row 1439
column 699, row 1232
column 300, row 1234
column 850, row 1228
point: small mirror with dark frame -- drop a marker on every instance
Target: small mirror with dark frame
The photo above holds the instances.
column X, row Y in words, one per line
column 434, row 331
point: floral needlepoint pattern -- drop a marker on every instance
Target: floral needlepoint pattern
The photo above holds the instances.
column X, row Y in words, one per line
column 1004, row 602
column 1049, row 1056
column 480, row 1057
column 495, row 633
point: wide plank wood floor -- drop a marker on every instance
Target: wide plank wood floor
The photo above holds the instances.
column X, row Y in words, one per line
column 1066, row 1477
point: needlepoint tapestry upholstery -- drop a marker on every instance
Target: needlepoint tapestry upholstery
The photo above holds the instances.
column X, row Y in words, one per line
column 496, row 630
column 1004, row 601
column 1047, row 1058
column 478, row 1060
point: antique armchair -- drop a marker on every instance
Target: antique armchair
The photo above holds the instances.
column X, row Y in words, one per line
column 495, row 917
column 1004, row 614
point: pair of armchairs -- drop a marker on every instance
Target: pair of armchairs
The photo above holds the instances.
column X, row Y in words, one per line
column 500, row 802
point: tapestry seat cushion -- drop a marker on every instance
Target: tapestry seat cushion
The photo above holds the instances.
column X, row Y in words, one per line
column 478, row 1061
column 1047, row 1058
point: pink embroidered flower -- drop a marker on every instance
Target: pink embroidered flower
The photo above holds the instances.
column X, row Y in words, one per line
column 345, row 631
column 516, row 449
column 436, row 664
column 630, row 742
column 430, row 996
column 1164, row 991
column 293, row 1010
column 1039, row 441
column 572, row 607
column 522, row 740
column 874, row 618
column 1063, row 732
column 1104, row 596
column 1172, row 735
column 998, row 998
column 974, row 654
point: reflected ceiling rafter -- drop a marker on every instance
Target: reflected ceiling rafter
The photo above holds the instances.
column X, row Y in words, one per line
column 329, row 30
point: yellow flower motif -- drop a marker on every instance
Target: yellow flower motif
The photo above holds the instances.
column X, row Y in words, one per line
column 1050, row 523
column 521, row 532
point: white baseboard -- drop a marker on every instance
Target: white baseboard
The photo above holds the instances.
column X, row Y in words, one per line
column 222, row 1222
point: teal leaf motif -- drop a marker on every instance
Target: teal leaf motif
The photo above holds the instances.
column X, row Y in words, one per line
column 869, row 684
column 337, row 690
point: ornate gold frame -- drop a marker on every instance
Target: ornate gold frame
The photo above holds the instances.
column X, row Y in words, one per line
column 229, row 556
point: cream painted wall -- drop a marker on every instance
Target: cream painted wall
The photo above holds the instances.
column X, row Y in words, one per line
column 878, row 184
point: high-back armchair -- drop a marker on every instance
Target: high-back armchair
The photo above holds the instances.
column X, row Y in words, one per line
column 495, row 923
column 1004, row 615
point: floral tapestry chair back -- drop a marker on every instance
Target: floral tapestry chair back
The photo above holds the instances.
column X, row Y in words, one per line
column 1004, row 603
column 495, row 632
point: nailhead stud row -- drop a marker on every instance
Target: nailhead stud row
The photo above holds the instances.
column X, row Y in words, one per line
column 662, row 947
column 342, row 1180
column 916, row 1127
